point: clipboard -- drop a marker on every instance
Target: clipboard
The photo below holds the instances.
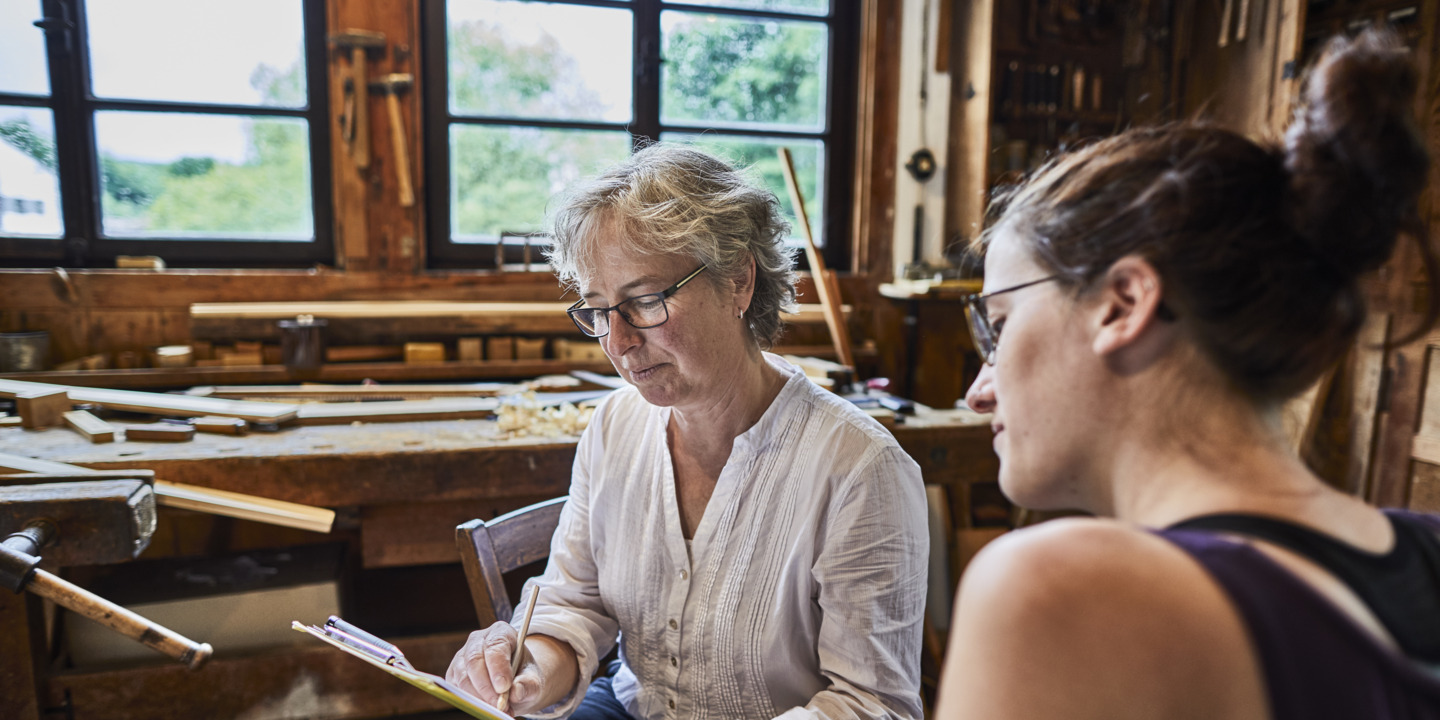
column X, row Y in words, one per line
column 387, row 657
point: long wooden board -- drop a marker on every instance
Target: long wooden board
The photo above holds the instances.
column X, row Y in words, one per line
column 191, row 497
column 160, row 403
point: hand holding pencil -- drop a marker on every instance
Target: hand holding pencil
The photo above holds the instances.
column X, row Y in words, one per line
column 519, row 658
column 490, row 666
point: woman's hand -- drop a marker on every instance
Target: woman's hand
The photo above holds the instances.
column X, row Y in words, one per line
column 482, row 668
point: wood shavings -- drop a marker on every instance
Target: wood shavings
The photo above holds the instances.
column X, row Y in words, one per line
column 525, row 417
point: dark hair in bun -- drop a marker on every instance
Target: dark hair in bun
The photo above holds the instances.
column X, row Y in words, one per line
column 1260, row 246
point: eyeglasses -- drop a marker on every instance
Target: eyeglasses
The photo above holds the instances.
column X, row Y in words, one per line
column 985, row 335
column 641, row 311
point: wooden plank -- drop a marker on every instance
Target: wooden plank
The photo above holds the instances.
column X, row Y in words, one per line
column 221, row 425
column 158, row 403
column 159, row 432
column 72, row 473
column 396, row 411
column 41, row 407
column 209, row 500
column 90, row 427
column 1425, row 488
column 245, row 507
column 364, row 353
column 825, row 283
column 396, row 391
column 1367, row 366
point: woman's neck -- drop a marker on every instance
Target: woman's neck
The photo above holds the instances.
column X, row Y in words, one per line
column 710, row 426
column 1216, row 454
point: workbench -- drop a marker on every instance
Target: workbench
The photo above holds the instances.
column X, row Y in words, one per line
column 399, row 490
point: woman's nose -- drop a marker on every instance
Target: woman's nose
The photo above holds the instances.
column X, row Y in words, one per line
column 622, row 336
column 981, row 395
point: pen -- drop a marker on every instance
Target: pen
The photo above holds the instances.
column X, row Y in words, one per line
column 520, row 647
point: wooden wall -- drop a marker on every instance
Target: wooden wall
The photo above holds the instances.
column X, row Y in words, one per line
column 380, row 246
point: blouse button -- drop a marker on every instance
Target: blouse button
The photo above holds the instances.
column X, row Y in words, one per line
column 672, row 704
column 674, row 662
column 674, row 625
column 684, row 574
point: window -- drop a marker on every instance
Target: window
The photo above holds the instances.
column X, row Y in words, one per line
column 525, row 97
column 197, row 132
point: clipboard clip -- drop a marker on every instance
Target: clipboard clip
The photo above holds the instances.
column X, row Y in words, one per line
column 350, row 635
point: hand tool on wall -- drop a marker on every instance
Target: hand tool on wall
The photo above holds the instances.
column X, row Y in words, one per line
column 101, row 521
column 392, row 85
column 360, row 43
column 826, row 283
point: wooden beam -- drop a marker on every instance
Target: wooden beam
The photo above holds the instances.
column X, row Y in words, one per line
column 92, row 428
column 158, row 403
column 159, row 432
column 396, row 411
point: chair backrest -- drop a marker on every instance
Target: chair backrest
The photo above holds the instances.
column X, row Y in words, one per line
column 488, row 550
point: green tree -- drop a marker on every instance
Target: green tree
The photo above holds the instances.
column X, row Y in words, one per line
column 19, row 134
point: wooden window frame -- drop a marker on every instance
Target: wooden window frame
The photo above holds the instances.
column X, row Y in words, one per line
column 838, row 134
column 73, row 109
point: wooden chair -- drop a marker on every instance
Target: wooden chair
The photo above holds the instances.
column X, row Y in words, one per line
column 488, row 550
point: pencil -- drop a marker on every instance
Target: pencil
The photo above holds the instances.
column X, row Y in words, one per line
column 520, row 647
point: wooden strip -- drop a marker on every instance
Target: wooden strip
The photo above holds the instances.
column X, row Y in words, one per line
column 245, row 507
column 160, row 432
column 92, row 428
column 327, row 392
column 77, row 474
column 396, row 411
column 1426, row 449
column 159, row 403
column 1367, row 369
column 208, row 500
column 825, row 285
column 221, row 425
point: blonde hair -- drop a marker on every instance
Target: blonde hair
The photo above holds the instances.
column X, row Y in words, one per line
column 672, row 199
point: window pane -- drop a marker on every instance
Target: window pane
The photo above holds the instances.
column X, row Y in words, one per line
column 539, row 60
column 501, row 177
column 731, row 71
column 248, row 53
column 807, row 7
column 758, row 154
column 29, row 187
column 23, row 66
column 204, row 176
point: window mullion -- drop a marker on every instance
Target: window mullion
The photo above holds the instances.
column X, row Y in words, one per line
column 647, row 62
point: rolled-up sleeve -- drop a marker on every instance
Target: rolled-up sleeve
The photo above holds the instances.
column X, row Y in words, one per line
column 570, row 608
column 871, row 573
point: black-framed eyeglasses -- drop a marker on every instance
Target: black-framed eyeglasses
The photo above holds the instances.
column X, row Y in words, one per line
column 985, row 335
column 641, row 311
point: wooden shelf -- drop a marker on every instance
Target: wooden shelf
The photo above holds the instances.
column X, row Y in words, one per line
column 352, row 372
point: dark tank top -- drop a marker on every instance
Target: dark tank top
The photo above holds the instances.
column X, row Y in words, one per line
column 1317, row 662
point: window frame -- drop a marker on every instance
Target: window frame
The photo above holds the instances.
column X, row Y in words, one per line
column 73, row 106
column 838, row 132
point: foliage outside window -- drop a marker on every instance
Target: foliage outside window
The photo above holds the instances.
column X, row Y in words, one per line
column 532, row 96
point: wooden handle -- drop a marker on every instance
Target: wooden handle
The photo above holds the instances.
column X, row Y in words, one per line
column 83, row 602
column 402, row 155
column 362, row 108
column 826, row 284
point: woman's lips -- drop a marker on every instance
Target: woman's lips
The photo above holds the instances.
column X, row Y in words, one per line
column 644, row 373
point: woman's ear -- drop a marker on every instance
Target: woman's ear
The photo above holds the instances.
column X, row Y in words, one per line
column 745, row 286
column 1127, row 304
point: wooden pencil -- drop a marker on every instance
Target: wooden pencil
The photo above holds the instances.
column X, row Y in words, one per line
column 520, row 647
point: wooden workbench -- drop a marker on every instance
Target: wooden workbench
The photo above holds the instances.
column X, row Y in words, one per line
column 400, row 489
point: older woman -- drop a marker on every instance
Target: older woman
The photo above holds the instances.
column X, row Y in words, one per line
column 1150, row 302
column 757, row 543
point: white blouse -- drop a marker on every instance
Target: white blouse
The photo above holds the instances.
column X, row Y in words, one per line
column 806, row 593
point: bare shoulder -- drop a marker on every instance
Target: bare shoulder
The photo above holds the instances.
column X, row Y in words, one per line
column 1095, row 618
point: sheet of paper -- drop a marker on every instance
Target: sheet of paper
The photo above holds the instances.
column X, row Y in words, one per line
column 433, row 684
